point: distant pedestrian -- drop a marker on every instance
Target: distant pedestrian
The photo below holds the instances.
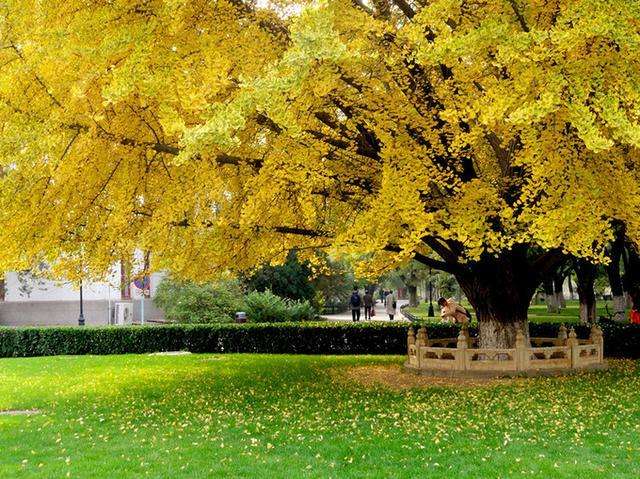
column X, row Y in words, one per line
column 368, row 304
column 355, row 301
column 390, row 304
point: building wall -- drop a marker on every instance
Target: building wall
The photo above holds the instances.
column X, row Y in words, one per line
column 65, row 313
column 48, row 290
column 37, row 302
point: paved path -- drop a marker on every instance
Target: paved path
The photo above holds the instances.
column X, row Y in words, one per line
column 381, row 314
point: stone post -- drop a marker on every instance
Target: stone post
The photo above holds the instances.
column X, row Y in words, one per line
column 562, row 335
column 572, row 342
column 411, row 336
column 596, row 338
column 522, row 352
column 465, row 330
column 421, row 341
column 422, row 337
column 461, row 350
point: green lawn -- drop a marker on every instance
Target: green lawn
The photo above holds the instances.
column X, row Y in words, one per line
column 537, row 312
column 295, row 416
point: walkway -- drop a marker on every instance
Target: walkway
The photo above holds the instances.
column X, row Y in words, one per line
column 380, row 313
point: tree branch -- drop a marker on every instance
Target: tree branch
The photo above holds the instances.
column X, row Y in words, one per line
column 423, row 259
column 405, row 7
column 519, row 16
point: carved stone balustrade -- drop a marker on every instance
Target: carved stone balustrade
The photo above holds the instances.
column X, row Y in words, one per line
column 462, row 358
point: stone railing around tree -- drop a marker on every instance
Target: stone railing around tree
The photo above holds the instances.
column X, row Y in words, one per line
column 461, row 356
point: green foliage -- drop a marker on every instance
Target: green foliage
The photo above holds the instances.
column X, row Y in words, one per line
column 190, row 303
column 187, row 302
column 445, row 284
column 290, row 280
column 621, row 340
column 266, row 307
column 333, row 286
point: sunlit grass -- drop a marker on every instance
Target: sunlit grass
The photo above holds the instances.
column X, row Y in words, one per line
column 293, row 416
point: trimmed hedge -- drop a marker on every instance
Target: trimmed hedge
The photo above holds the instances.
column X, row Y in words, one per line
column 621, row 340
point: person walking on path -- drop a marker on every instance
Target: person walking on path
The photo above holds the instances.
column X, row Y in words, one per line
column 452, row 311
column 355, row 302
column 390, row 304
column 368, row 304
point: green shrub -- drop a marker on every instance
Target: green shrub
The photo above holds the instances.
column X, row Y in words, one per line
column 300, row 311
column 620, row 340
column 266, row 307
column 187, row 302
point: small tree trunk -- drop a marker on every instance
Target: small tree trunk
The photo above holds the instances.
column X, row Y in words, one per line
column 413, row 295
column 558, row 281
column 585, row 279
column 550, row 296
column 570, row 286
column 631, row 278
column 619, row 308
column 615, row 280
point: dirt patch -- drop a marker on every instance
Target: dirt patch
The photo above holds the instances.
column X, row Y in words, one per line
column 19, row 412
column 396, row 378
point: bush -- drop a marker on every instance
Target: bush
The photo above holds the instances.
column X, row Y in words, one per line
column 300, row 311
column 621, row 340
column 266, row 307
column 186, row 302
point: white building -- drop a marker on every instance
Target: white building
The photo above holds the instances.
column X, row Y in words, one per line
column 34, row 301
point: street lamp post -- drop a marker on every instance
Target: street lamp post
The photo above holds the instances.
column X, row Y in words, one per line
column 430, row 313
column 81, row 317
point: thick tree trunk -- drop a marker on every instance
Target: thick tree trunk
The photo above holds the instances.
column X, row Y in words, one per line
column 585, row 279
column 631, row 278
column 570, row 286
column 413, row 295
column 550, row 296
column 500, row 290
column 615, row 280
column 558, row 281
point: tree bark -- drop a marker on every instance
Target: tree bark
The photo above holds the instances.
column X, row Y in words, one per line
column 570, row 286
column 413, row 295
column 558, row 281
column 585, row 280
column 550, row 296
column 615, row 279
column 631, row 277
column 500, row 291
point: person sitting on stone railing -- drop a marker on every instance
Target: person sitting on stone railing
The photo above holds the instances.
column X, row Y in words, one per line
column 450, row 311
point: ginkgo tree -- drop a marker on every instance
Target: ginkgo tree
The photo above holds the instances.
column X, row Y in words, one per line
column 487, row 139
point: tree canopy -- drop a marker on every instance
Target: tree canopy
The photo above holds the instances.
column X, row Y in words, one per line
column 220, row 135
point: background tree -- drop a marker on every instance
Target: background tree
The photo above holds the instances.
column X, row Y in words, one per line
column 615, row 251
column 631, row 276
column 292, row 279
column 586, row 274
column 484, row 139
column 409, row 276
column 550, row 296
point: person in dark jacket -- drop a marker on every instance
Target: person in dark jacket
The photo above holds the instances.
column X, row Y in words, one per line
column 355, row 302
column 368, row 304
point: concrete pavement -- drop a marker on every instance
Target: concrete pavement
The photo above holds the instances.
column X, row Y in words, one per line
column 380, row 313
